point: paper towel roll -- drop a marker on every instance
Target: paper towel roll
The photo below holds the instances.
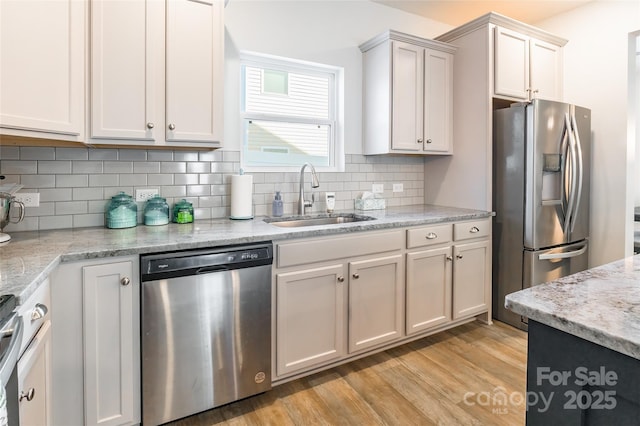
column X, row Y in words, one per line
column 241, row 197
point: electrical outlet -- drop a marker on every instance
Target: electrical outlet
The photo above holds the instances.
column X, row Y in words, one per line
column 377, row 188
column 398, row 187
column 29, row 199
column 145, row 194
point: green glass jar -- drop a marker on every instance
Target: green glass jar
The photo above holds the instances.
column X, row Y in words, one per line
column 156, row 211
column 121, row 212
column 183, row 212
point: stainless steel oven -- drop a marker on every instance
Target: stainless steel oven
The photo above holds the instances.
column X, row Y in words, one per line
column 206, row 329
column 11, row 329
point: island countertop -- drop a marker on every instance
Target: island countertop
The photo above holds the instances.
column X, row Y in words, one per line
column 600, row 305
column 29, row 258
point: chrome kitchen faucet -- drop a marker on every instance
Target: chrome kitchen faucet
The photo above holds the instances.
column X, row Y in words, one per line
column 302, row 203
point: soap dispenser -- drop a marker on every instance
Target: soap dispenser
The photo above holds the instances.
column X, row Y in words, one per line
column 277, row 208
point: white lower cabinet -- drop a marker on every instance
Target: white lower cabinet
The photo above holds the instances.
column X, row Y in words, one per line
column 472, row 277
column 376, row 301
column 96, row 342
column 428, row 289
column 310, row 317
column 343, row 297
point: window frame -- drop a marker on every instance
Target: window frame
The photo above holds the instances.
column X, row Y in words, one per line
column 334, row 121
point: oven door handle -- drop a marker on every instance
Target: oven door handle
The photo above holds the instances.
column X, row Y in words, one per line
column 9, row 357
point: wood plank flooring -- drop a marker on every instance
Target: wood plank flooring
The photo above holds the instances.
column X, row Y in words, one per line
column 471, row 375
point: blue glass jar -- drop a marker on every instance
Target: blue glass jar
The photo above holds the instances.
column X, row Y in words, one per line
column 121, row 212
column 156, row 211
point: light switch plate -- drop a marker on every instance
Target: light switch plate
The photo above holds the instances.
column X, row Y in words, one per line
column 377, row 188
column 398, row 187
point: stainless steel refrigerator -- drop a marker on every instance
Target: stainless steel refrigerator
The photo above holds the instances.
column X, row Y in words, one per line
column 541, row 169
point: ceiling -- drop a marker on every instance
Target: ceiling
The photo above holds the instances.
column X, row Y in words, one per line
column 457, row 12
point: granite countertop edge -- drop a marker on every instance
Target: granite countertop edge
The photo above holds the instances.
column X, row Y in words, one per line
column 27, row 261
column 600, row 305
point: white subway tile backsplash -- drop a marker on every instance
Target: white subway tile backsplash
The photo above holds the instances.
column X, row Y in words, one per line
column 117, row 167
column 146, row 167
column 159, row 179
column 37, row 153
column 9, row 152
column 103, row 154
column 104, row 180
column 54, row 167
column 81, row 166
column 18, row 167
column 75, row 184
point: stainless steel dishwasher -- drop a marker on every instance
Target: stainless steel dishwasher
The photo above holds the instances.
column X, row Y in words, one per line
column 206, row 329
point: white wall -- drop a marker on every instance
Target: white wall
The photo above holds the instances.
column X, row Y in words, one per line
column 322, row 31
column 595, row 76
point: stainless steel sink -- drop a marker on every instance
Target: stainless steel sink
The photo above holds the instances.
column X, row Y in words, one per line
column 325, row 219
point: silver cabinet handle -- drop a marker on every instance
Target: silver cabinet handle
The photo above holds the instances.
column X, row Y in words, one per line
column 39, row 311
column 458, row 256
column 419, row 140
column 474, row 230
column 449, row 258
column 125, row 281
column 356, row 276
column 150, row 125
column 431, row 236
column 31, row 393
column 429, row 141
column 341, row 279
column 172, row 126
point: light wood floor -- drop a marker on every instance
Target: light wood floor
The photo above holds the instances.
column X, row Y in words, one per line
column 420, row 383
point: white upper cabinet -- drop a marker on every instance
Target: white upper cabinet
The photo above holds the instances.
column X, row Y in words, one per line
column 157, row 72
column 408, row 94
column 526, row 68
column 42, row 45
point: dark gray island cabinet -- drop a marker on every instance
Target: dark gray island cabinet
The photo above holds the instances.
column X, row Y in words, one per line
column 583, row 362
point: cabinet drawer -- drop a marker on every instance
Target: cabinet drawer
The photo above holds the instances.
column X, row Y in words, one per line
column 34, row 312
column 312, row 251
column 428, row 236
column 474, row 229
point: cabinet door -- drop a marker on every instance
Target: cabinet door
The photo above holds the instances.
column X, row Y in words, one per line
column 376, row 301
column 111, row 343
column 194, row 65
column 428, row 289
column 310, row 318
column 34, row 380
column 42, row 67
column 438, row 102
column 407, row 97
column 546, row 70
column 126, row 37
column 511, row 64
column 471, row 278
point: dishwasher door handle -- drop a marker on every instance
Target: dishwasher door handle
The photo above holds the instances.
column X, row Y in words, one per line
column 210, row 269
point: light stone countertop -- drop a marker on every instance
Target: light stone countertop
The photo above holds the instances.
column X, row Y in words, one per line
column 601, row 305
column 28, row 259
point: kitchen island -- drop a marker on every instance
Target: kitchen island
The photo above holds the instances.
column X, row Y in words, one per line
column 583, row 363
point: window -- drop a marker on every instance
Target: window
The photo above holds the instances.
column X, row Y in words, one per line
column 289, row 112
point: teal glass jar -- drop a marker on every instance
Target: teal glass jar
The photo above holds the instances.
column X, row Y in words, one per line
column 121, row 212
column 183, row 212
column 156, row 211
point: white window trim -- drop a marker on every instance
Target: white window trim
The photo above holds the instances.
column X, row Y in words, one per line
column 336, row 106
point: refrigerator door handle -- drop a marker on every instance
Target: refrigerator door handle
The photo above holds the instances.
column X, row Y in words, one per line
column 566, row 255
column 579, row 171
column 571, row 164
